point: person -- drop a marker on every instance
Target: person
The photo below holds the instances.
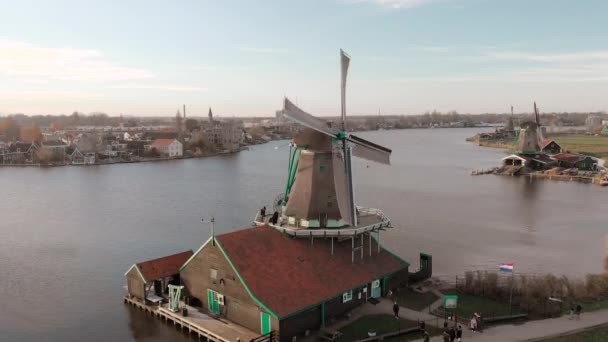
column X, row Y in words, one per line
column 459, row 333
column 422, row 326
column 452, row 333
column 474, row 324
column 396, row 310
column 263, row 212
column 446, row 336
column 479, row 323
column 427, row 337
column 571, row 311
column 275, row 217
column 579, row 308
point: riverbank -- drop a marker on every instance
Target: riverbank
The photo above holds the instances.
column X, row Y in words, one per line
column 135, row 161
column 592, row 145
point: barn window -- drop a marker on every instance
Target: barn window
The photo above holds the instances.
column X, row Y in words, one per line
column 347, row 296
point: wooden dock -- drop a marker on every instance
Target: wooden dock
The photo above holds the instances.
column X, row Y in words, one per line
column 197, row 325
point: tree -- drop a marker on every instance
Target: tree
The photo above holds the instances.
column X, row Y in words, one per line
column 178, row 122
column 192, row 124
column 44, row 155
column 9, row 128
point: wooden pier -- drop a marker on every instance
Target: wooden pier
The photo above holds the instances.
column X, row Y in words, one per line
column 198, row 326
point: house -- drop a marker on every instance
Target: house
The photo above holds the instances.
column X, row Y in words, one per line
column 515, row 160
column 531, row 161
column 573, row 160
column 74, row 155
column 79, row 158
column 168, row 147
column 148, row 280
column 550, row 146
column 265, row 281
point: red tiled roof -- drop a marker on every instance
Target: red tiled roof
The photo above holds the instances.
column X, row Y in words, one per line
column 162, row 142
column 568, row 157
column 163, row 267
column 288, row 275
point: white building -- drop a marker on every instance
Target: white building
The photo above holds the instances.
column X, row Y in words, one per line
column 168, row 147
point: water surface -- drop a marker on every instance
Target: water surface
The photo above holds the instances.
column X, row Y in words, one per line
column 70, row 233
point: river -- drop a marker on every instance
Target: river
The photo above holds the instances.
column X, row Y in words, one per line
column 70, row 233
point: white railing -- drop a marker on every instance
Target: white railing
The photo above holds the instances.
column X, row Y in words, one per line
column 384, row 222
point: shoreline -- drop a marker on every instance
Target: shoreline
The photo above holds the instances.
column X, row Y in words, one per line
column 244, row 148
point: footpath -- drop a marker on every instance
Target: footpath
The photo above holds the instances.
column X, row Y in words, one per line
column 536, row 330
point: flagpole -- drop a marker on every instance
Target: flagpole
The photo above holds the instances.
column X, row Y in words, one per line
column 511, row 293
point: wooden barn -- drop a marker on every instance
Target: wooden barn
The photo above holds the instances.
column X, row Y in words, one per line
column 573, row 160
column 266, row 281
column 549, row 146
column 148, row 280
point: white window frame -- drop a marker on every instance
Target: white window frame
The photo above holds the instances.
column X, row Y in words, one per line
column 347, row 296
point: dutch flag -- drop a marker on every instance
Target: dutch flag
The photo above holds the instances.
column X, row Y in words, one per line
column 506, row 267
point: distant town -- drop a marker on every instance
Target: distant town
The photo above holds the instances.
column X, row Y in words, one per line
column 96, row 138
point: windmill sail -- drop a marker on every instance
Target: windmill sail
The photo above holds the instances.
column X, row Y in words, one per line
column 344, row 63
column 294, row 113
column 370, row 151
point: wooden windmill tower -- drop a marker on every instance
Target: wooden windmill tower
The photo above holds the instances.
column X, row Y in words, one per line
column 319, row 191
column 530, row 135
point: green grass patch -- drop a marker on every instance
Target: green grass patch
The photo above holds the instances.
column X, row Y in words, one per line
column 486, row 307
column 599, row 334
column 381, row 324
column 416, row 301
column 586, row 144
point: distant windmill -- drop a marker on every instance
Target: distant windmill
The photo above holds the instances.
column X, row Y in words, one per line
column 324, row 169
column 530, row 135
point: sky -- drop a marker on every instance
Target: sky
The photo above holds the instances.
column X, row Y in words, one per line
column 147, row 58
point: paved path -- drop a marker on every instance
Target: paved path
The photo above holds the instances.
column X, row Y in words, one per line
column 535, row 330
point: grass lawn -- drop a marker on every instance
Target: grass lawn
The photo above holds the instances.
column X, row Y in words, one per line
column 594, row 145
column 381, row 324
column 599, row 334
column 486, row 307
column 414, row 300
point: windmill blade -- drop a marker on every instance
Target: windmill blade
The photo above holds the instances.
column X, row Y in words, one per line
column 368, row 150
column 344, row 63
column 294, row 113
column 342, row 181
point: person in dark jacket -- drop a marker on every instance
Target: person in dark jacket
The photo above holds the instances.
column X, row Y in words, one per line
column 459, row 333
column 263, row 212
column 275, row 218
column 396, row 310
column 452, row 333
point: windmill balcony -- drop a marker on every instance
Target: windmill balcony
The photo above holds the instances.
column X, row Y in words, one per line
column 368, row 220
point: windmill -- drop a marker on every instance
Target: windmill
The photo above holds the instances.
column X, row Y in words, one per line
column 321, row 176
column 530, row 135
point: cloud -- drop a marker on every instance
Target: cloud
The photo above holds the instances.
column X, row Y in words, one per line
column 160, row 87
column 31, row 95
column 218, row 67
column 430, row 48
column 396, row 4
column 550, row 58
column 26, row 60
column 268, row 50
